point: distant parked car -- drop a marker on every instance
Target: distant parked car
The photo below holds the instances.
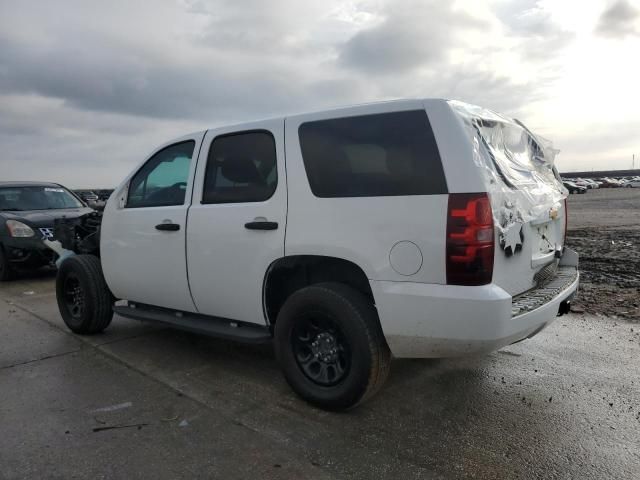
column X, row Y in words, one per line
column 583, row 183
column 27, row 214
column 609, row 183
column 88, row 196
column 104, row 193
column 91, row 198
column 592, row 182
column 573, row 188
column 633, row 183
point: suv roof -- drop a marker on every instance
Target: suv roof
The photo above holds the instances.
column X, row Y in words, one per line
column 338, row 109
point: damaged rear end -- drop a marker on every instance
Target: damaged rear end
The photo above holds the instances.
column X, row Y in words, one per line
column 528, row 208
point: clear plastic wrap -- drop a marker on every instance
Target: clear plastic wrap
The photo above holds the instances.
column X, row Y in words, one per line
column 517, row 165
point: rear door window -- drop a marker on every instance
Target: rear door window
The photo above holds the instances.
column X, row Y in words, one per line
column 388, row 154
column 241, row 168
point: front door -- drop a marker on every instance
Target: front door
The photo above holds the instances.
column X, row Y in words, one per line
column 144, row 226
column 237, row 219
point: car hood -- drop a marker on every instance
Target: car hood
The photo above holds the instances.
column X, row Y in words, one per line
column 44, row 218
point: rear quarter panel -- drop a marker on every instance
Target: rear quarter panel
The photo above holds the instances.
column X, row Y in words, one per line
column 365, row 229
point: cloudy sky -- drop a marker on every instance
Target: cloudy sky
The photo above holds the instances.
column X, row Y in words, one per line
column 88, row 88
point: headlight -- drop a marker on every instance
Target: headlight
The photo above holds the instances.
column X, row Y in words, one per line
column 19, row 230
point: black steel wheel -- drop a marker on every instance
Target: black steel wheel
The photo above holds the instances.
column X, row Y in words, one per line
column 330, row 346
column 74, row 295
column 321, row 349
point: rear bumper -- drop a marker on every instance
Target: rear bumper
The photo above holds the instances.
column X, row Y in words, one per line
column 424, row 320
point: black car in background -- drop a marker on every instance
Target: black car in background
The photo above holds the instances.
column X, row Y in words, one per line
column 27, row 213
column 573, row 187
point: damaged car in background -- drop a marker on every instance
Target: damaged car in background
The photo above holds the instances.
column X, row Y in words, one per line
column 413, row 228
column 91, row 198
column 28, row 211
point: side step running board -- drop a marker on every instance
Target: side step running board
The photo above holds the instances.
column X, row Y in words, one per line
column 193, row 322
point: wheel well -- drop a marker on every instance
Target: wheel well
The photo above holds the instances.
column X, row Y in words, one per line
column 288, row 274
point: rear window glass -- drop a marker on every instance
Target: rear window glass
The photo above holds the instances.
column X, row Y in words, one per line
column 515, row 154
column 372, row 155
column 241, row 168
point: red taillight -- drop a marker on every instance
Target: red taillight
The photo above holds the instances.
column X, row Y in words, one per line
column 470, row 239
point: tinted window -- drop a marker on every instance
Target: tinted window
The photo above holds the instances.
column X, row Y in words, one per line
column 241, row 168
column 372, row 155
column 163, row 179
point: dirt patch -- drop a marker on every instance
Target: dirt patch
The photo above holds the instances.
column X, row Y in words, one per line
column 604, row 231
column 610, row 271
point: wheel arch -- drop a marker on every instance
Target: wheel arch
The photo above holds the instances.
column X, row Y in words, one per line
column 288, row 274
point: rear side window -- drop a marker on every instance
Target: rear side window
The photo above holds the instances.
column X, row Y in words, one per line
column 241, row 167
column 162, row 181
column 372, row 155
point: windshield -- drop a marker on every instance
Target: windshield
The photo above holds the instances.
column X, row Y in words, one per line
column 36, row 198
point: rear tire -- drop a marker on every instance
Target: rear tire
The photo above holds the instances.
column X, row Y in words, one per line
column 6, row 271
column 84, row 300
column 330, row 346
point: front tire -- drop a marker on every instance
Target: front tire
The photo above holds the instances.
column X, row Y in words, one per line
column 6, row 272
column 330, row 346
column 84, row 300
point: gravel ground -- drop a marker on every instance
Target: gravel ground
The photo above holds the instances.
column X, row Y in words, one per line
column 604, row 227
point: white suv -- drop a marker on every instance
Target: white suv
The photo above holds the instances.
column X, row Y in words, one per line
column 413, row 228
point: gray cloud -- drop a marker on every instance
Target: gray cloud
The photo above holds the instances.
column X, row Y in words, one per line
column 189, row 60
column 538, row 36
column 412, row 34
column 107, row 79
column 88, row 89
column 490, row 89
column 619, row 20
column 254, row 27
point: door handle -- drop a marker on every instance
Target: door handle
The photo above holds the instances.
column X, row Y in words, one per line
column 168, row 227
column 261, row 225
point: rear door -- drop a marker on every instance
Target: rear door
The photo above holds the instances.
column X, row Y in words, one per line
column 237, row 219
column 143, row 229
